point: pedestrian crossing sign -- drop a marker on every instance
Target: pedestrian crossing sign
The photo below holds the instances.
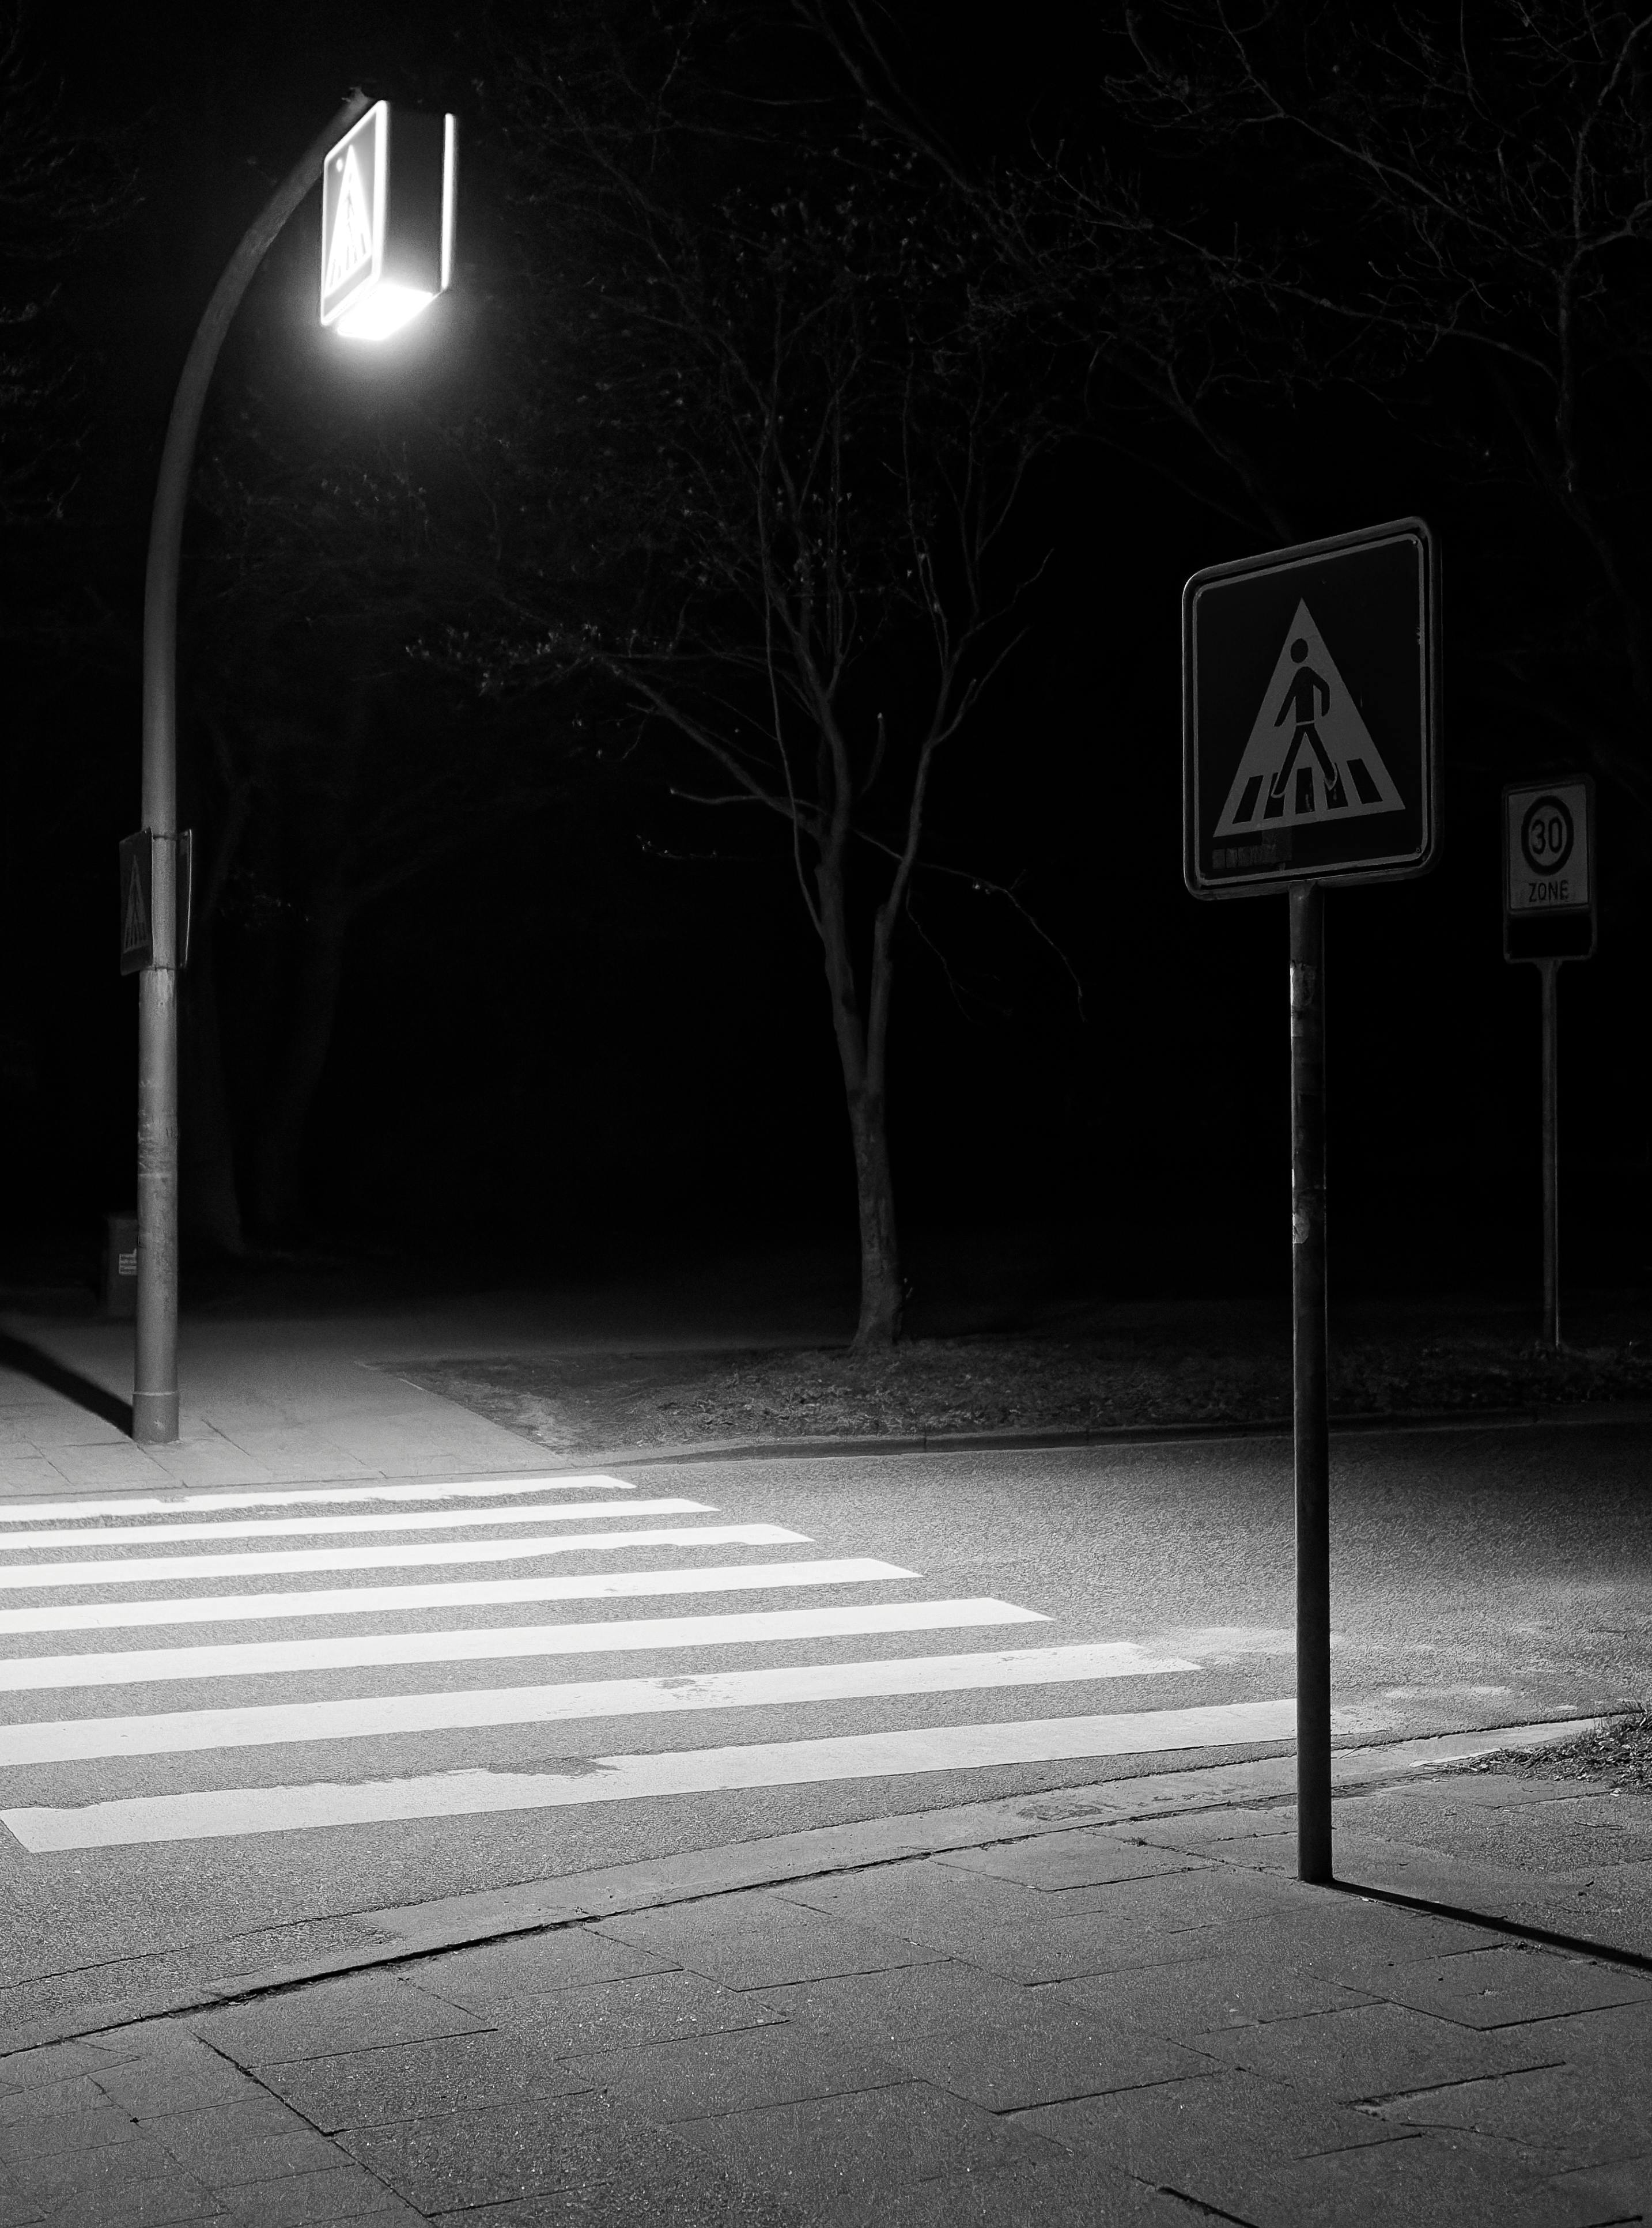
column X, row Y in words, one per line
column 136, row 903
column 1308, row 713
column 352, row 212
column 1307, row 702
column 387, row 221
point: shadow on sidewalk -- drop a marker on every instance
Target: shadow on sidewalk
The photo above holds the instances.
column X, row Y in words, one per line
column 57, row 1377
column 1576, row 1945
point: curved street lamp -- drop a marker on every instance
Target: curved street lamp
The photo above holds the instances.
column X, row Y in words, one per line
column 386, row 246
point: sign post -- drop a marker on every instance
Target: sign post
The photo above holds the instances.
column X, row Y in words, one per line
column 1310, row 681
column 1310, row 1391
column 1549, row 917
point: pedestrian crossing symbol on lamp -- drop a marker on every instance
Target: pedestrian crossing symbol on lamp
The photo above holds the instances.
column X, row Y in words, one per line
column 387, row 221
column 1310, row 757
column 350, row 250
column 134, row 929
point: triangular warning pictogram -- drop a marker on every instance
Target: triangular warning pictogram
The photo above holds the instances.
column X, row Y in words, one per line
column 351, row 245
column 1310, row 756
column 134, row 927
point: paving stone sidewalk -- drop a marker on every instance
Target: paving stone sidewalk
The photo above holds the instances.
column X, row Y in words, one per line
column 289, row 1402
column 316, row 1393
column 1117, row 2004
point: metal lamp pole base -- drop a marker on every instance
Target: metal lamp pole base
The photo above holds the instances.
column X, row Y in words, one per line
column 154, row 1379
column 155, row 1376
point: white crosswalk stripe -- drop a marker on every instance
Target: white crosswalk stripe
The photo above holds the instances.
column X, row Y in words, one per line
column 436, row 1519
column 174, row 1732
column 57, row 1793
column 249, row 1659
column 476, row 1593
column 173, row 1569
column 627, row 1778
column 289, row 1497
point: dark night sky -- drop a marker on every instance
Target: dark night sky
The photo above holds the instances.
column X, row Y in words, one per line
column 560, row 1041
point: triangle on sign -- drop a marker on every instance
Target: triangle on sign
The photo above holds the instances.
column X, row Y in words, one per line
column 351, row 245
column 1311, row 757
column 134, row 927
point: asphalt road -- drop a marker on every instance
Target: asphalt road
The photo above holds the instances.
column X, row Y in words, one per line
column 1479, row 1577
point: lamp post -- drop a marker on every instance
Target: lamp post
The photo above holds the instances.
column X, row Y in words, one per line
column 378, row 276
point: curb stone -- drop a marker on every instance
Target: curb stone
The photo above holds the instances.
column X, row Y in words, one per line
column 1122, row 1435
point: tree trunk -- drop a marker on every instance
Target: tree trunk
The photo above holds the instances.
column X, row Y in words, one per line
column 280, row 1138
column 882, row 1292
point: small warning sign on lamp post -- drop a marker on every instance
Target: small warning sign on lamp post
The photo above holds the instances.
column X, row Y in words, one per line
column 136, row 903
column 145, row 858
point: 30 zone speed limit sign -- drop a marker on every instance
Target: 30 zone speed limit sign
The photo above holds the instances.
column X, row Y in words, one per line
column 1548, row 869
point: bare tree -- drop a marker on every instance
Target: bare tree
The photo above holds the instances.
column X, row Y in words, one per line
column 56, row 190
column 777, row 456
column 1449, row 210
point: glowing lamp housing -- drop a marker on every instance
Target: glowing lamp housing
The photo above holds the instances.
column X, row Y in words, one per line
column 387, row 221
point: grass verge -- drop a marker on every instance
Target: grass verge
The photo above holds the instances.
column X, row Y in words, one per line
column 1619, row 1755
column 1197, row 1365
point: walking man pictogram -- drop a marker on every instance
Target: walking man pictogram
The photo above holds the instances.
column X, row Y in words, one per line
column 1301, row 703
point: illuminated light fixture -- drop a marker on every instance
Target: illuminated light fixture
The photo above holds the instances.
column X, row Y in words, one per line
column 383, row 312
column 387, row 221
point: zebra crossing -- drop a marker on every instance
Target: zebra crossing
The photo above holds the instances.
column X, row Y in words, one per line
column 92, row 1568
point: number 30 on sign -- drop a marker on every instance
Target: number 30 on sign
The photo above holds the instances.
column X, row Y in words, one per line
column 1548, row 869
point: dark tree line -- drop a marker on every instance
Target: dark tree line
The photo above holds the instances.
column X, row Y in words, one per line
column 1320, row 250
column 61, row 189
column 758, row 371
column 58, row 190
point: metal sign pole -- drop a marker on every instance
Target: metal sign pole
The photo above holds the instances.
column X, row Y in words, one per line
column 1310, row 717
column 1550, row 893
column 1550, row 969
column 1310, row 1408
